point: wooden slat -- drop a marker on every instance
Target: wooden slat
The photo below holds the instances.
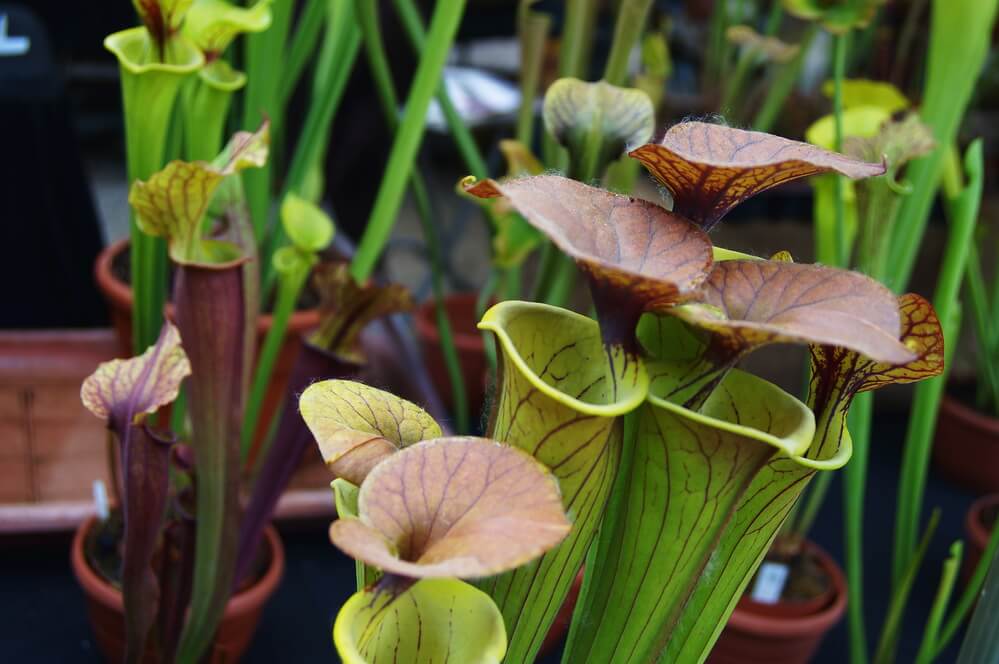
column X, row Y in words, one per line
column 67, row 515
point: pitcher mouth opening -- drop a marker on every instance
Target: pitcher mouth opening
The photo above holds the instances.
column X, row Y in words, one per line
column 632, row 386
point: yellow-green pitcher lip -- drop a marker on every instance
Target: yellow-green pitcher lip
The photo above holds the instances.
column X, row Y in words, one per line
column 495, row 320
column 794, row 444
column 220, row 75
column 120, row 44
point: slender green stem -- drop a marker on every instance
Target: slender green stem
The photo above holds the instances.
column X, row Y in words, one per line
column 570, row 64
column 978, row 298
column 302, row 46
column 931, row 632
column 888, row 643
column 840, row 43
column 714, row 58
column 631, row 19
column 260, row 100
column 546, row 271
column 854, row 481
column 378, row 62
column 922, row 420
column 443, row 27
column 783, row 83
column 960, row 35
column 969, row 595
column 735, row 83
column 981, row 643
column 533, row 29
column 450, row 351
column 290, row 285
column 512, row 283
column 774, row 19
column 563, row 282
column 409, row 15
column 573, row 35
column 339, row 50
column 903, row 48
column 994, row 309
column 178, row 415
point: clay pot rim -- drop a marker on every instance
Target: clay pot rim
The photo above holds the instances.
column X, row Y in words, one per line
column 792, row 626
column 973, row 526
column 120, row 293
column 243, row 602
column 426, row 324
column 958, row 410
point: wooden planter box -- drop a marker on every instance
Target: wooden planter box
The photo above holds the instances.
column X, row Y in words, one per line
column 52, row 448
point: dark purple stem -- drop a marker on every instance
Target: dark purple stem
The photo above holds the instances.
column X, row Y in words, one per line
column 287, row 450
column 177, row 572
column 618, row 313
column 211, row 319
column 145, row 462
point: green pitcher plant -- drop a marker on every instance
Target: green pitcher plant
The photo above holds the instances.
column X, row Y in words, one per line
column 675, row 467
column 212, row 25
column 154, row 61
column 420, row 512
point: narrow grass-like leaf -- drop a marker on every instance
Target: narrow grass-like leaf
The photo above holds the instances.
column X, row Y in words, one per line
column 960, row 34
column 885, row 653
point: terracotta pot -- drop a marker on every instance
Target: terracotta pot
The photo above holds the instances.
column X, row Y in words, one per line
column 119, row 298
column 978, row 531
column 107, row 615
column 762, row 634
column 468, row 340
column 966, row 448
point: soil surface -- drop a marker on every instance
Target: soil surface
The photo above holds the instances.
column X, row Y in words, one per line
column 806, row 578
column 103, row 551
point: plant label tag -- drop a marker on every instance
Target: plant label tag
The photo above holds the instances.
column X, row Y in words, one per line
column 9, row 44
column 770, row 582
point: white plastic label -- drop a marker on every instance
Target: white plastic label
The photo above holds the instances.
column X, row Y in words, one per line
column 770, row 582
column 101, row 500
column 9, row 44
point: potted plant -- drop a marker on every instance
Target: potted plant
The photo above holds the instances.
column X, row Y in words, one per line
column 187, row 542
column 175, row 57
column 667, row 456
column 183, row 544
